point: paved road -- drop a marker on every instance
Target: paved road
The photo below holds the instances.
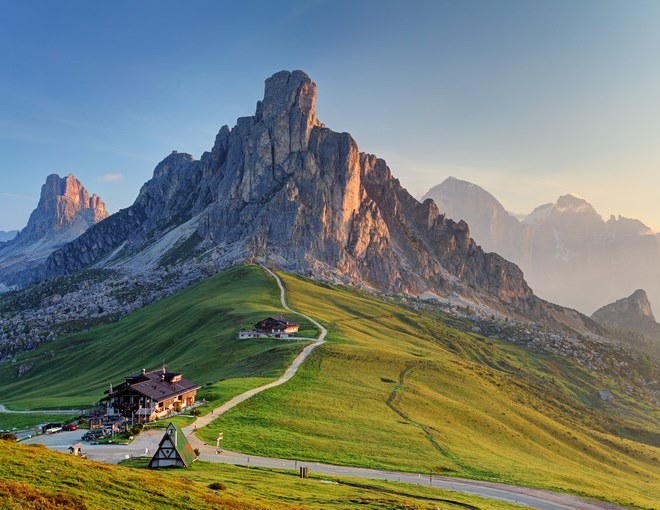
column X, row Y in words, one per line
column 109, row 453
column 535, row 498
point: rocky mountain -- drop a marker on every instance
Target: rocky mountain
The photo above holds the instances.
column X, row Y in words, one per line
column 7, row 236
column 568, row 252
column 65, row 210
column 632, row 314
column 632, row 309
column 282, row 189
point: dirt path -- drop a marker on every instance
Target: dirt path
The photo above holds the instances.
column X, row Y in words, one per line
column 203, row 421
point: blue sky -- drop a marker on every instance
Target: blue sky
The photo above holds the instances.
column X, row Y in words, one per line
column 528, row 99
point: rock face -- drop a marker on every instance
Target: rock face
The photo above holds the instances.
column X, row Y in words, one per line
column 65, row 210
column 569, row 254
column 632, row 314
column 282, row 189
column 636, row 307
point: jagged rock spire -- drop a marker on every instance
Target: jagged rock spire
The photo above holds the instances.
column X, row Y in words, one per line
column 64, row 204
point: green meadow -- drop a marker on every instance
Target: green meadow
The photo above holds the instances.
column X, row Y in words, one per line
column 20, row 421
column 32, row 477
column 399, row 390
column 392, row 388
column 193, row 332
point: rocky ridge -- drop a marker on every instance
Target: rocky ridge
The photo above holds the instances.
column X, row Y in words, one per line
column 65, row 210
column 282, row 189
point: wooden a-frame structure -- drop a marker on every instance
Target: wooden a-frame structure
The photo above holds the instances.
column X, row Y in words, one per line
column 174, row 450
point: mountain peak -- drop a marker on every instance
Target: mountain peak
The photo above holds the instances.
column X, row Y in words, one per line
column 634, row 306
column 640, row 301
column 288, row 91
column 574, row 202
column 64, row 204
column 281, row 189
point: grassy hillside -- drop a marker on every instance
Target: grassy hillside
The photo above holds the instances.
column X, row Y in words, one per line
column 193, row 331
column 391, row 388
column 396, row 389
column 32, row 477
column 19, row 421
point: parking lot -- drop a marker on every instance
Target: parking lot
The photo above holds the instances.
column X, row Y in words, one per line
column 112, row 453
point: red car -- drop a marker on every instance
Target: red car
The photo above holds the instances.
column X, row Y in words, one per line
column 70, row 427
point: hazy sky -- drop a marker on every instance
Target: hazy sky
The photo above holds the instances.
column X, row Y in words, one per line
column 529, row 99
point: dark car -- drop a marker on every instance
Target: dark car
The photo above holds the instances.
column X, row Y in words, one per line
column 70, row 427
column 93, row 435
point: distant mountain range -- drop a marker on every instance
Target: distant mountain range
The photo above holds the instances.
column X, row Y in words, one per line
column 567, row 251
column 7, row 236
column 65, row 210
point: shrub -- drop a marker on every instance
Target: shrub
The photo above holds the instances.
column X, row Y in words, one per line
column 196, row 450
column 217, row 486
column 194, row 412
column 8, row 436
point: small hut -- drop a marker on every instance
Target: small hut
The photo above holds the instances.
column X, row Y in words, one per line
column 174, row 450
column 77, row 450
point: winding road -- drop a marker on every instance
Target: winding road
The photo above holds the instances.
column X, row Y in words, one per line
column 534, row 498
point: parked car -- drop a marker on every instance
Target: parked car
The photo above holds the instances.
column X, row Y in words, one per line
column 69, row 427
column 93, row 435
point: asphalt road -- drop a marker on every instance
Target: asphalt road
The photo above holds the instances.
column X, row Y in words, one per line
column 535, row 498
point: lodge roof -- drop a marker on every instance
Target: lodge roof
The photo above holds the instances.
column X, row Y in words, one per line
column 157, row 385
column 275, row 322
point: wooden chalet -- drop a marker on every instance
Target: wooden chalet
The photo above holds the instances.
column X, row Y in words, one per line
column 272, row 327
column 174, row 450
column 150, row 395
column 276, row 325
